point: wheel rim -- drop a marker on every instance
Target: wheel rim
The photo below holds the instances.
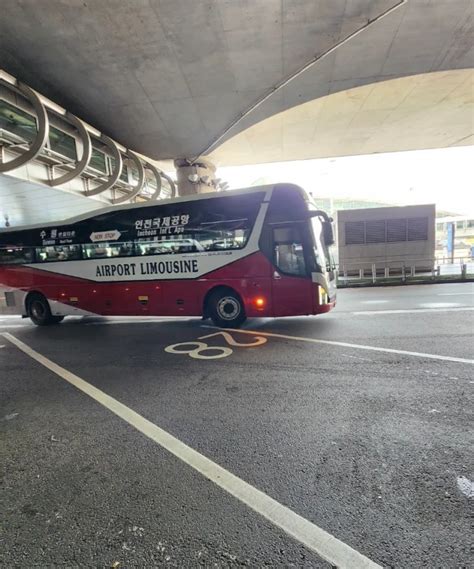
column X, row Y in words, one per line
column 38, row 310
column 228, row 308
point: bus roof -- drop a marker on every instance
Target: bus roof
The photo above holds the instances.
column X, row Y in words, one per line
column 155, row 203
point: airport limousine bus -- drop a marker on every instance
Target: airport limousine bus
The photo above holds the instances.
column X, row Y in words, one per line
column 262, row 251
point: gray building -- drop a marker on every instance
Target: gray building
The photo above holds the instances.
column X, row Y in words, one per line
column 386, row 238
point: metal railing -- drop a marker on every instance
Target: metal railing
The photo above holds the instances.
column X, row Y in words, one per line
column 403, row 271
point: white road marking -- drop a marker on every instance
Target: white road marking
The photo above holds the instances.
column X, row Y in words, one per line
column 135, row 320
column 201, row 347
column 313, row 537
column 440, row 305
column 413, row 310
column 259, row 340
column 358, row 358
column 11, row 416
column 105, row 322
column 196, row 352
column 465, row 486
column 347, row 345
column 456, row 293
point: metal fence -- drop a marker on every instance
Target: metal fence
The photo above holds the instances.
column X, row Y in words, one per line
column 397, row 271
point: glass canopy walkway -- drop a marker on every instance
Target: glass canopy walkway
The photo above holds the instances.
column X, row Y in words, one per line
column 43, row 143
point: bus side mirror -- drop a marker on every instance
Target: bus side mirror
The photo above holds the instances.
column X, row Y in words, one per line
column 328, row 233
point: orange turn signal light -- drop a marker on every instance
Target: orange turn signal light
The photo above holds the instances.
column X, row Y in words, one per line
column 260, row 302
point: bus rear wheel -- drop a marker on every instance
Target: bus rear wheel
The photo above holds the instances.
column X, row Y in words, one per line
column 39, row 311
column 226, row 309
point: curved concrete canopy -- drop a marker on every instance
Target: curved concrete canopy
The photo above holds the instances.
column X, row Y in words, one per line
column 167, row 77
column 434, row 110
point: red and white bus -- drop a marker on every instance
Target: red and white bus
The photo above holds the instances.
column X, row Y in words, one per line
column 262, row 251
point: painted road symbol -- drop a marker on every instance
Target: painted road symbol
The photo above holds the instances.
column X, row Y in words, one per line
column 197, row 352
column 198, row 348
column 259, row 340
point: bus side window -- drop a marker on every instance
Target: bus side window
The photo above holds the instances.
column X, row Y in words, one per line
column 288, row 251
column 15, row 255
column 126, row 249
column 105, row 249
column 58, row 253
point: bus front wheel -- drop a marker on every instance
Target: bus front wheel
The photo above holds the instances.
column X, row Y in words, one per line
column 226, row 309
column 39, row 311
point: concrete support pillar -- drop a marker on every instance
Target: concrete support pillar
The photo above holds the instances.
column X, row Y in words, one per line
column 195, row 177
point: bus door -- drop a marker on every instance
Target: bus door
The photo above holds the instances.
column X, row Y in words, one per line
column 291, row 282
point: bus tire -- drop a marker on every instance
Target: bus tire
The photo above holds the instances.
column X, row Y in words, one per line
column 39, row 311
column 226, row 309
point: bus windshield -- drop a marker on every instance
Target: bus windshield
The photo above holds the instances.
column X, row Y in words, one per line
column 322, row 251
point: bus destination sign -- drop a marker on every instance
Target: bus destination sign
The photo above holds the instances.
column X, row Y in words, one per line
column 168, row 225
column 51, row 237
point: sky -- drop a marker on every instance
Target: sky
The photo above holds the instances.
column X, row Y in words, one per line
column 442, row 176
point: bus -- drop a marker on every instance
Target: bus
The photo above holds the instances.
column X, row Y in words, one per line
column 257, row 252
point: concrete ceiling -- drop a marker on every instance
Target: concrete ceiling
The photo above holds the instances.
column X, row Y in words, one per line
column 434, row 110
column 167, row 77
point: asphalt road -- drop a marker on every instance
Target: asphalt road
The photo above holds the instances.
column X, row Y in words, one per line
column 372, row 446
